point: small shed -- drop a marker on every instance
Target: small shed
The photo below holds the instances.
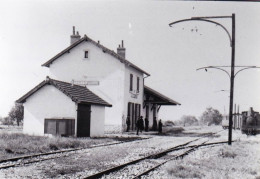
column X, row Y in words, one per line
column 59, row 108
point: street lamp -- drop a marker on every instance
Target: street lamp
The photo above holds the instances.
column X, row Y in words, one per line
column 221, row 68
column 242, row 68
column 232, row 44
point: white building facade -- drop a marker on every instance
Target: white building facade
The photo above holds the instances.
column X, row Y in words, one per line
column 109, row 76
column 58, row 108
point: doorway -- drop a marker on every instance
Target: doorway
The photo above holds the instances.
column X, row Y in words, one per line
column 83, row 122
column 133, row 111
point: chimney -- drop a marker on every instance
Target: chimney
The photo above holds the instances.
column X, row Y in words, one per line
column 121, row 50
column 74, row 37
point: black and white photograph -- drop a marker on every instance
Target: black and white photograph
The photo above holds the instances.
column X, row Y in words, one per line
column 121, row 89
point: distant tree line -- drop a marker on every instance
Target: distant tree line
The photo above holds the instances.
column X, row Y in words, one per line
column 15, row 115
column 209, row 117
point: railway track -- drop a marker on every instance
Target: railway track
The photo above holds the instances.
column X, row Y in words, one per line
column 180, row 156
column 28, row 159
column 151, row 158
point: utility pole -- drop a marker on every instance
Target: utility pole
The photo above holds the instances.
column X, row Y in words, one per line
column 232, row 77
column 232, row 44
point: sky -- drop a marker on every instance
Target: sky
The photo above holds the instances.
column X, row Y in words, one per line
column 32, row 32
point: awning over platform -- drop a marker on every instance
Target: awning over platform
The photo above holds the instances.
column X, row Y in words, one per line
column 154, row 97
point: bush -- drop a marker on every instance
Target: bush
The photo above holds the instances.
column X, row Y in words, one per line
column 7, row 121
column 188, row 121
column 169, row 123
column 172, row 130
column 225, row 153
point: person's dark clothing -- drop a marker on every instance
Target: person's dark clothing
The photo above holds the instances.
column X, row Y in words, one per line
column 146, row 124
column 139, row 125
column 154, row 124
column 160, row 126
column 128, row 123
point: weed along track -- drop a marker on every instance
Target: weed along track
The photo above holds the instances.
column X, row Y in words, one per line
column 142, row 166
column 180, row 156
column 28, row 159
column 107, row 160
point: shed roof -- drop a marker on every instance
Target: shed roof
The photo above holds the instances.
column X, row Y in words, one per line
column 158, row 97
column 104, row 49
column 78, row 94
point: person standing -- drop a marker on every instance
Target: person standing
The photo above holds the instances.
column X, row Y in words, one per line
column 141, row 124
column 138, row 126
column 128, row 123
column 146, row 124
column 154, row 124
column 160, row 126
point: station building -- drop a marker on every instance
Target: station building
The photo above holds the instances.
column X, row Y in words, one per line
column 90, row 86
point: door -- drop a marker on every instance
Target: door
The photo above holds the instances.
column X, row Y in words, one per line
column 133, row 116
column 83, row 122
column 133, row 111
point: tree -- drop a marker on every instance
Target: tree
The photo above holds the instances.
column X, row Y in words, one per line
column 188, row 120
column 16, row 113
column 211, row 116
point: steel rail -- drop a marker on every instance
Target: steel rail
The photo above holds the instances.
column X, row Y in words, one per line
column 152, row 156
column 179, row 156
column 14, row 159
column 112, row 169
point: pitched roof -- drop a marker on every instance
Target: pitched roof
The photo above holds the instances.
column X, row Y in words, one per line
column 78, row 94
column 159, row 98
column 104, row 49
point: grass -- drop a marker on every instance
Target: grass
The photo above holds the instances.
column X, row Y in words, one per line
column 97, row 160
column 241, row 160
column 178, row 131
column 172, row 129
column 15, row 144
column 182, row 171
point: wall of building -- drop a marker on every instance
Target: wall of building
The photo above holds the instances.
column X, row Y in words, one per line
column 48, row 102
column 99, row 66
column 97, row 121
column 132, row 96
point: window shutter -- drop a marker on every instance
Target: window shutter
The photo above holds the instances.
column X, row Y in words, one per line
column 131, row 82
column 138, row 80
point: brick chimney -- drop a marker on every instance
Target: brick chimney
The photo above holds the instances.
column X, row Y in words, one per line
column 74, row 37
column 121, row 50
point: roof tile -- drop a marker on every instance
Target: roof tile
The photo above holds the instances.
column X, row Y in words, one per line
column 78, row 94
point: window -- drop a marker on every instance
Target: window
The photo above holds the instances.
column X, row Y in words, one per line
column 86, row 54
column 131, row 82
column 137, row 87
column 60, row 127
